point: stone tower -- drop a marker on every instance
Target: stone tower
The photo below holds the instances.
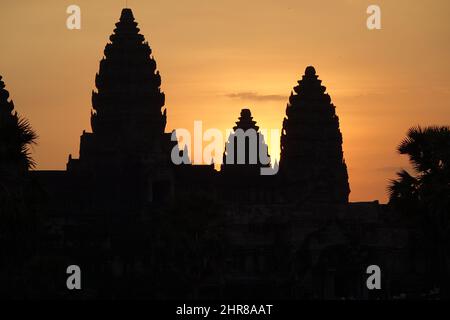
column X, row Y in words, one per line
column 312, row 165
column 128, row 118
column 245, row 151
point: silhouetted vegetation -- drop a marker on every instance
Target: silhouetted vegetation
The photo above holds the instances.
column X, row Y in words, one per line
column 17, row 219
column 424, row 195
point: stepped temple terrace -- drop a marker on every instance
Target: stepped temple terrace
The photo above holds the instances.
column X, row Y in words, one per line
column 140, row 226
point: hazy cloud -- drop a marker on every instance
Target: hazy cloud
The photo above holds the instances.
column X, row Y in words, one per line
column 256, row 96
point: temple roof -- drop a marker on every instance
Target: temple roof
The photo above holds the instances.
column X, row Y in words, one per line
column 128, row 118
column 311, row 142
column 245, row 121
column 126, row 15
column 310, row 71
column 128, row 83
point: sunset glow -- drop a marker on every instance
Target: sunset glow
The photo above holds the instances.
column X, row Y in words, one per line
column 218, row 58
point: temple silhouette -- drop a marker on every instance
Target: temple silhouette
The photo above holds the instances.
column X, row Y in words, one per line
column 140, row 226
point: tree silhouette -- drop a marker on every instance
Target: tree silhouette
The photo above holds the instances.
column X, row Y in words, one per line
column 16, row 137
column 425, row 195
column 17, row 223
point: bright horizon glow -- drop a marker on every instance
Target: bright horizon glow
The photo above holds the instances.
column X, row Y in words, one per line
column 216, row 58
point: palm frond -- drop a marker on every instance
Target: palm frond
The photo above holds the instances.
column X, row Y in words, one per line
column 27, row 138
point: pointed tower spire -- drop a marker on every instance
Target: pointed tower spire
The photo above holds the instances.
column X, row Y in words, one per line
column 128, row 118
column 128, row 84
column 311, row 161
column 245, row 121
column 244, row 147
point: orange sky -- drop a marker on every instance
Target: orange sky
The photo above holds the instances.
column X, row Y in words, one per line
column 216, row 57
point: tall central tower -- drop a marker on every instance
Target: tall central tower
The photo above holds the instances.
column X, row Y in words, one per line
column 127, row 146
column 128, row 119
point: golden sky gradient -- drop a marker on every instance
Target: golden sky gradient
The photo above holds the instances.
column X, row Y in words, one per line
column 216, row 57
